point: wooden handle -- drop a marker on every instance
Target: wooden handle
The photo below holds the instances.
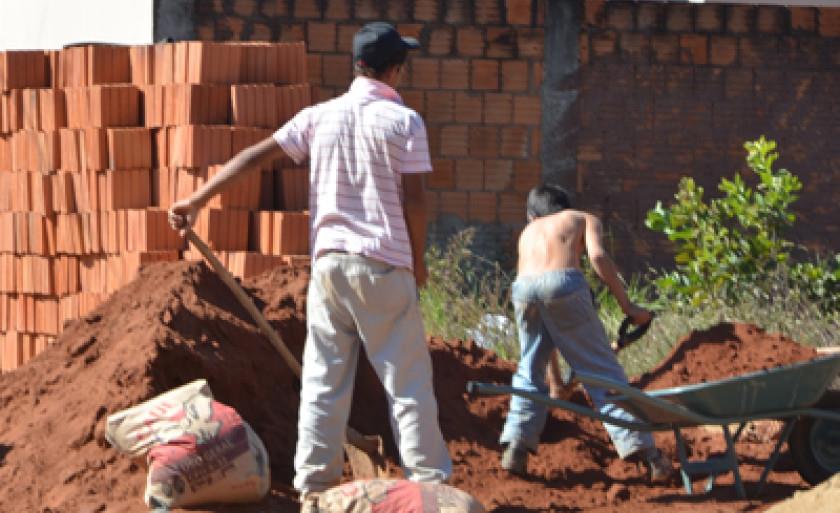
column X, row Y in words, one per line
column 243, row 298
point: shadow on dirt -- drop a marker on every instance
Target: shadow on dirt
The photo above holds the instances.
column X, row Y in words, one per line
column 523, row 509
column 722, row 493
column 4, row 450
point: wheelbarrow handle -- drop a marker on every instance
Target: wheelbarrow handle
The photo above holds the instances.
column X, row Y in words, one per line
column 475, row 388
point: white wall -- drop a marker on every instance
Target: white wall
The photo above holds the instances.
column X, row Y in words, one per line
column 50, row 24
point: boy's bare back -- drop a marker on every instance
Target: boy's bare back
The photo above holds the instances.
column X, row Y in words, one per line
column 556, row 237
column 557, row 241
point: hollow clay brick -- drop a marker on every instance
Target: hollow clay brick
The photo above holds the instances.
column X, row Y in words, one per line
column 23, row 68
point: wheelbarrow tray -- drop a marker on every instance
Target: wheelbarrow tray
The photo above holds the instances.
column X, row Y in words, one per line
column 756, row 394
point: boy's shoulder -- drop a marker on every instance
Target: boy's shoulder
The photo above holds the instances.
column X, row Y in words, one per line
column 580, row 214
column 565, row 220
column 568, row 213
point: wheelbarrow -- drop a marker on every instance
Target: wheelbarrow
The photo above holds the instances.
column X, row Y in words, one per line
column 795, row 394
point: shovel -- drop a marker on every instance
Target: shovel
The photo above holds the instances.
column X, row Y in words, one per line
column 626, row 336
column 364, row 452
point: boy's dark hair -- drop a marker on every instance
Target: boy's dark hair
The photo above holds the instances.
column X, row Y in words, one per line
column 396, row 59
column 546, row 199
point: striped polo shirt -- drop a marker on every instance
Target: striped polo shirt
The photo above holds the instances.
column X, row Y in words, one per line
column 358, row 145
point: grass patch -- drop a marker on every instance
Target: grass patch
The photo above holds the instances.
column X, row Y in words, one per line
column 463, row 288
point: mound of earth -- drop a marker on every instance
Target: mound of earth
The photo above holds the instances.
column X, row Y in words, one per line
column 721, row 351
column 177, row 322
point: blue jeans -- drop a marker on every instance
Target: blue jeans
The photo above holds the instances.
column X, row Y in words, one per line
column 555, row 310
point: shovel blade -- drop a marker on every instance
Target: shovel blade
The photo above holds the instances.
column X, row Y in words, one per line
column 367, row 457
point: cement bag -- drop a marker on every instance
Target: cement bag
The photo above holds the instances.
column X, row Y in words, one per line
column 197, row 449
column 396, row 496
column 136, row 430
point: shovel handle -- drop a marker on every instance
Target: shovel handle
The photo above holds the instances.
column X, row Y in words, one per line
column 245, row 301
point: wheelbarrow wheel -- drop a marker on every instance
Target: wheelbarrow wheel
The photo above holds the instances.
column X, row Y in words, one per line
column 815, row 443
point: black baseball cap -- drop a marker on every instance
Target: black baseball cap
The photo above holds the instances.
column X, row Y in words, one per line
column 376, row 42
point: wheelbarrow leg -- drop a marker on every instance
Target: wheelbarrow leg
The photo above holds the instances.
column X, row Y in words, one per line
column 740, row 430
column 776, row 453
column 681, row 453
column 710, row 481
column 711, row 466
column 732, row 458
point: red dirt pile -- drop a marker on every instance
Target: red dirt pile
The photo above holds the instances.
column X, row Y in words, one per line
column 174, row 324
column 722, row 351
column 178, row 322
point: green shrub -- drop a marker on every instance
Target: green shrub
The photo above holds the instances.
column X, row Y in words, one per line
column 820, row 281
column 731, row 244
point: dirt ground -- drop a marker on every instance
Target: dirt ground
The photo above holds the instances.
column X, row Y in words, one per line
column 178, row 322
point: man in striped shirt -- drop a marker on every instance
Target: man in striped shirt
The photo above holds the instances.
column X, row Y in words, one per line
column 367, row 152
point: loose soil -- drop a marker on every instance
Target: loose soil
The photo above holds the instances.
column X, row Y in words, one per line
column 177, row 322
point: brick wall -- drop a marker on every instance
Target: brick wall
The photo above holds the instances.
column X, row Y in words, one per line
column 667, row 90
column 476, row 81
column 652, row 91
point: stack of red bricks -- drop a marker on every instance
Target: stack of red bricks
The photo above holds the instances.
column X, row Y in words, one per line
column 96, row 142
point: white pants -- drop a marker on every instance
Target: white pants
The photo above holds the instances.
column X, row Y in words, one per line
column 355, row 300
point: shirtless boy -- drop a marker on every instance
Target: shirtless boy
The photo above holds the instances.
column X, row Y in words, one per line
column 554, row 309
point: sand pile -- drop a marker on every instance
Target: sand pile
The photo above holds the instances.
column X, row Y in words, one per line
column 820, row 499
column 178, row 322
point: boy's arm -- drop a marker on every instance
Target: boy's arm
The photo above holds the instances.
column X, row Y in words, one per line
column 606, row 270
column 414, row 206
column 182, row 213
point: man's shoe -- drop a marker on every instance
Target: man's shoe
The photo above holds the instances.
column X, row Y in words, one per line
column 515, row 459
column 309, row 502
column 659, row 466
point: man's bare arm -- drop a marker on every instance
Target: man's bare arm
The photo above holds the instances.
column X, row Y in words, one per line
column 606, row 270
column 183, row 212
column 246, row 160
column 414, row 206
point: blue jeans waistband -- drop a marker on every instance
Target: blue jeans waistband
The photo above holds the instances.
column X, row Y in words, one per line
column 548, row 285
